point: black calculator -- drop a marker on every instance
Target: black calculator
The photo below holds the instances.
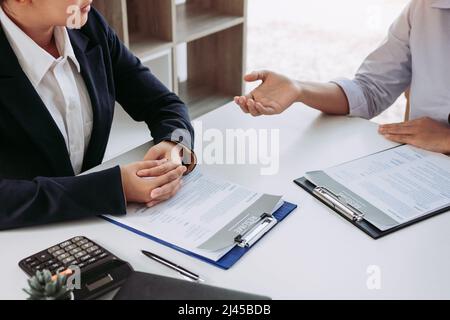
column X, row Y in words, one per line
column 100, row 270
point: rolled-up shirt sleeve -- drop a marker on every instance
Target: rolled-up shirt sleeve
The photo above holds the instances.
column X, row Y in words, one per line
column 355, row 96
column 385, row 74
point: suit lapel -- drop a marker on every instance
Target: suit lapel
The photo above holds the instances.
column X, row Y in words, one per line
column 94, row 74
column 23, row 102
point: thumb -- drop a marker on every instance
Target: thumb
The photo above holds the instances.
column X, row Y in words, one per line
column 256, row 75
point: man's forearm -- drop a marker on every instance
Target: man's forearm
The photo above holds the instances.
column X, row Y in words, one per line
column 326, row 97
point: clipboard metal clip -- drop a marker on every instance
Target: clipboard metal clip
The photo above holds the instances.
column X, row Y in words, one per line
column 339, row 204
column 256, row 232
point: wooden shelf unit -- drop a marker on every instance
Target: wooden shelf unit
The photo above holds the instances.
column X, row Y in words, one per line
column 213, row 33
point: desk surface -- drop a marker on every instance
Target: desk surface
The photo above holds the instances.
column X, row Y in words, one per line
column 313, row 254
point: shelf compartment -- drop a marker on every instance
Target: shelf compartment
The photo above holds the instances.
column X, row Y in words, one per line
column 214, row 71
column 201, row 98
column 144, row 45
column 196, row 19
column 150, row 26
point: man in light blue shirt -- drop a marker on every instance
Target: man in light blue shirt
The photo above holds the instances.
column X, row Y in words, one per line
column 415, row 55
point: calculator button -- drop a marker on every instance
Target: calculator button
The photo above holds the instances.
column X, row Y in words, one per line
column 63, row 256
column 77, row 239
column 58, row 253
column 97, row 252
column 43, row 257
column 65, row 244
column 80, row 243
column 54, row 266
column 103, row 255
column 29, row 260
column 51, row 261
column 87, row 245
column 85, row 258
column 91, row 260
column 40, row 267
column 91, row 249
column 74, row 251
column 33, row 264
column 68, row 260
column 81, row 265
column 53, row 249
column 71, row 247
column 80, row 254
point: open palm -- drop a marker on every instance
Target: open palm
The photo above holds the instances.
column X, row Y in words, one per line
column 274, row 95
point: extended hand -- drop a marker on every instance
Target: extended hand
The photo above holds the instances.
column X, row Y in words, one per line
column 424, row 133
column 275, row 94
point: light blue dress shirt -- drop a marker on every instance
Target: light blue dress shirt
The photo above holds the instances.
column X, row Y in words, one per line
column 415, row 54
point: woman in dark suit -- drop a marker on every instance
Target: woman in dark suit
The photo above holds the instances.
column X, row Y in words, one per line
column 58, row 88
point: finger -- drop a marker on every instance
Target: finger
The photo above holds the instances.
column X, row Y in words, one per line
column 166, row 190
column 160, row 199
column 159, row 170
column 169, row 177
column 236, row 100
column 398, row 129
column 154, row 202
column 243, row 101
column 142, row 165
column 251, row 107
column 251, row 77
column 243, row 104
column 398, row 125
column 256, row 75
column 263, row 109
column 404, row 139
column 244, row 109
column 418, row 121
column 155, row 153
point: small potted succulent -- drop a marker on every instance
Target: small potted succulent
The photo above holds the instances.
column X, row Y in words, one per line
column 44, row 286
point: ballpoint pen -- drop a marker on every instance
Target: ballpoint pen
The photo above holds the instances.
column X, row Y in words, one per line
column 173, row 266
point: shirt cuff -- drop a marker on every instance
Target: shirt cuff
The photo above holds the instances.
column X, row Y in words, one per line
column 355, row 96
column 189, row 159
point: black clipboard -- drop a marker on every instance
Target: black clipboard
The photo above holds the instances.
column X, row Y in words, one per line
column 362, row 224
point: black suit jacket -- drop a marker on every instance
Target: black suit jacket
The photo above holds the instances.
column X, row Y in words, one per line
column 37, row 183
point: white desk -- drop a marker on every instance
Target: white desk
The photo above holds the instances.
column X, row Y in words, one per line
column 313, row 254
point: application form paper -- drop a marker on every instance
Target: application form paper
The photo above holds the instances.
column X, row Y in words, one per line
column 404, row 182
column 204, row 217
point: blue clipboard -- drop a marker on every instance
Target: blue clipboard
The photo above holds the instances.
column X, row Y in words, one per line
column 228, row 260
